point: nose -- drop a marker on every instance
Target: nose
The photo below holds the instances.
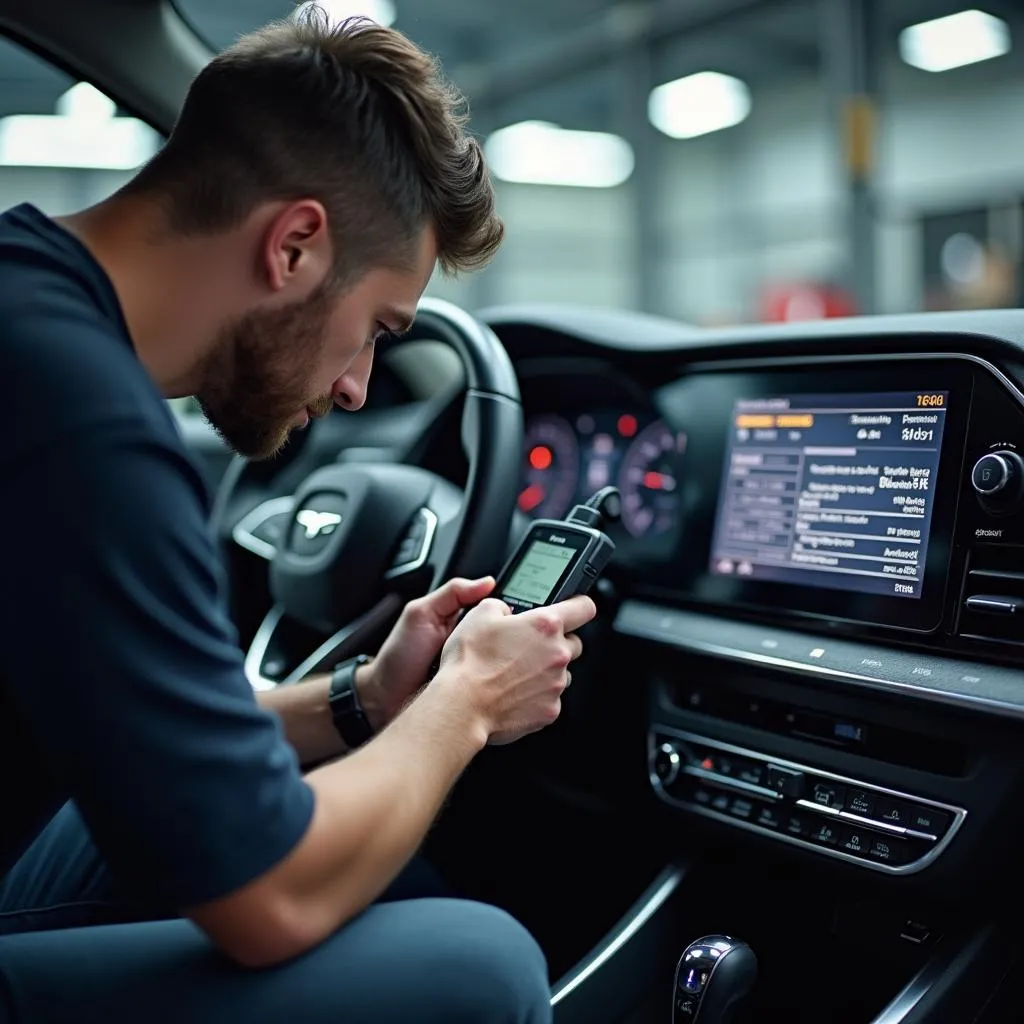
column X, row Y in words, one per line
column 349, row 389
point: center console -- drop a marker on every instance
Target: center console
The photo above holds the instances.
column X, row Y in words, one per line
column 850, row 547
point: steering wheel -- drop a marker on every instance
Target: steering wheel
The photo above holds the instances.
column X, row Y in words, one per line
column 350, row 543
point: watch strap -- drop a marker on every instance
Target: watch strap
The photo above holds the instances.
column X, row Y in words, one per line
column 347, row 712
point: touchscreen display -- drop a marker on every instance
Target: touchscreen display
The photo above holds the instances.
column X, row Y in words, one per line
column 537, row 574
column 831, row 490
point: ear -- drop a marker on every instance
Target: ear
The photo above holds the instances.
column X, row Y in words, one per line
column 297, row 252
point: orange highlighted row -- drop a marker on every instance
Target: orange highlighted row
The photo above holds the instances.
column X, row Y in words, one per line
column 762, row 421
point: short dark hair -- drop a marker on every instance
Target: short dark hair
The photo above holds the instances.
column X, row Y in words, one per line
column 352, row 114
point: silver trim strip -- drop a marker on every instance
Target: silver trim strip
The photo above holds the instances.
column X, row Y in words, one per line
column 257, row 652
column 664, row 886
column 349, row 636
column 430, row 522
column 873, row 357
column 728, row 780
column 950, row 697
column 244, row 532
column 903, row 1003
column 958, row 813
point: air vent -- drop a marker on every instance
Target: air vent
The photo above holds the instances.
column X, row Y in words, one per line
column 993, row 596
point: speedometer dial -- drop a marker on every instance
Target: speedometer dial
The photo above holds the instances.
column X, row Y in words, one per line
column 551, row 468
column 649, row 481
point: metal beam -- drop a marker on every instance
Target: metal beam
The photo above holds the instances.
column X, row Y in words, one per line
column 851, row 46
column 595, row 45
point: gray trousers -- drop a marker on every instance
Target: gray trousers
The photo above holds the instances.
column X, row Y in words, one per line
column 71, row 952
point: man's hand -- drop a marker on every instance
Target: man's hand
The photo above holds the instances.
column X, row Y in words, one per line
column 403, row 663
column 513, row 669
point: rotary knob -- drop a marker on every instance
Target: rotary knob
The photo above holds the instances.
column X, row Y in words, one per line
column 998, row 480
column 666, row 764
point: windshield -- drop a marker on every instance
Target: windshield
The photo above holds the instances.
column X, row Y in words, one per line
column 730, row 161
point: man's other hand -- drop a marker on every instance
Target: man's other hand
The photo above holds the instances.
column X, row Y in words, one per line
column 404, row 661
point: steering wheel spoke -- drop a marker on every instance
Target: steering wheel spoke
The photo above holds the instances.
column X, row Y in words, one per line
column 357, row 538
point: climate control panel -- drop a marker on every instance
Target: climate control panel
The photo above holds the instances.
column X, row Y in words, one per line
column 868, row 825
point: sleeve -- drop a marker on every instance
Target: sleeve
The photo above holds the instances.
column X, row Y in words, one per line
column 127, row 671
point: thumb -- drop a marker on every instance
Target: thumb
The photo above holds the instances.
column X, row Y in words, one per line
column 456, row 594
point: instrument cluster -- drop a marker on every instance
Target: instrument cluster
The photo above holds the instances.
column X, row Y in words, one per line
column 567, row 458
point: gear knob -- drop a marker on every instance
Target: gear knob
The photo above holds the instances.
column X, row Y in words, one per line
column 713, row 976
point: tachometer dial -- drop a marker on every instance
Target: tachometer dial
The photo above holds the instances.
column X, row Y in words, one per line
column 551, row 468
column 649, row 481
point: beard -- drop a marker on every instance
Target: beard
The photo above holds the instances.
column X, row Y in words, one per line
column 256, row 379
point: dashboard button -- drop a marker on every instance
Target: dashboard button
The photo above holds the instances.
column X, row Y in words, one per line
column 828, row 794
column 860, row 801
column 929, row 820
column 741, row 808
column 826, row 832
column 855, row 840
column 798, row 824
column 889, row 851
column 702, row 796
column 721, row 802
column 785, row 781
column 891, row 812
column 752, row 773
column 768, row 817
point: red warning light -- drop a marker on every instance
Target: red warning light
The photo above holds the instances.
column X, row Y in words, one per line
column 541, row 457
column 627, row 425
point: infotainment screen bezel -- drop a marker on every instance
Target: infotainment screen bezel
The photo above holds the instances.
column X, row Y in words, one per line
column 700, row 404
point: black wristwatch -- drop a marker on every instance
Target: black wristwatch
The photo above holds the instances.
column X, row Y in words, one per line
column 346, row 711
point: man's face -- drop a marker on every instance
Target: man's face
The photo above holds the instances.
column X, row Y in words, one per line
column 272, row 371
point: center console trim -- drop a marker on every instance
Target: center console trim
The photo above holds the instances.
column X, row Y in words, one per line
column 958, row 814
column 667, row 625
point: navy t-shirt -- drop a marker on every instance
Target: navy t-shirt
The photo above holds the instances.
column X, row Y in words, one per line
column 121, row 679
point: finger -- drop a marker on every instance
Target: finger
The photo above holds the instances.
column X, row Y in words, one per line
column 450, row 599
column 576, row 644
column 575, row 612
column 489, row 607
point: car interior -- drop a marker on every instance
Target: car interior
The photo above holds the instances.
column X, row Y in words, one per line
column 792, row 742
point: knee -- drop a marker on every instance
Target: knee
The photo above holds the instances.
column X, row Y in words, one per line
column 493, row 968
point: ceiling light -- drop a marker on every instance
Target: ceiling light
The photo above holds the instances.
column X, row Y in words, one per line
column 381, row 11
column 698, row 104
column 953, row 41
column 541, row 153
column 84, row 133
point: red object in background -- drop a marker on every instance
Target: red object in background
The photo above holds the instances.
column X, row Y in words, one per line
column 793, row 302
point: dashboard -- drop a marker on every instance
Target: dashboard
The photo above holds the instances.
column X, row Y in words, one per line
column 820, row 568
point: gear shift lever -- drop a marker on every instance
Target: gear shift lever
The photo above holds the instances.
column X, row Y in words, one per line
column 713, row 976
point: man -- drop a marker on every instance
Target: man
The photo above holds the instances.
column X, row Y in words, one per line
column 315, row 177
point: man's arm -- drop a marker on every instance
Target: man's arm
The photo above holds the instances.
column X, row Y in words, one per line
column 306, row 715
column 373, row 809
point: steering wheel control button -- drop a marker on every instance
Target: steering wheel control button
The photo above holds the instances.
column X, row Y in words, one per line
column 785, row 781
column 828, row 794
